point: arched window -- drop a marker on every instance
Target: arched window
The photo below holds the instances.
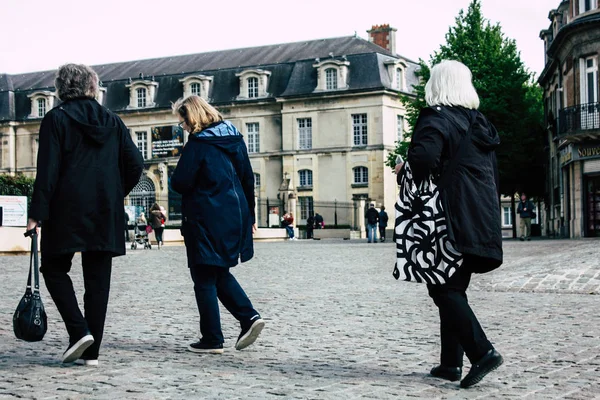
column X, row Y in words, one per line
column 252, row 88
column 305, row 178
column 361, row 175
column 141, row 97
column 399, row 79
column 41, row 103
column 195, row 89
column 331, row 82
column 256, row 181
column 143, row 194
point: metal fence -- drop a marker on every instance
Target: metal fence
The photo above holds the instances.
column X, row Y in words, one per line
column 579, row 117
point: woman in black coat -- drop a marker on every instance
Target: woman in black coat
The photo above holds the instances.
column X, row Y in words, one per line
column 472, row 204
column 215, row 179
column 87, row 163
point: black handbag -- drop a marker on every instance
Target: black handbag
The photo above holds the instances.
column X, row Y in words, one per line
column 29, row 321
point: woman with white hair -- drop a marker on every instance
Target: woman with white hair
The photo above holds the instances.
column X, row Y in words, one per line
column 471, row 202
column 87, row 163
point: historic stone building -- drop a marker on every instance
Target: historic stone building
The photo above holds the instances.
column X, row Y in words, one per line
column 572, row 112
column 319, row 117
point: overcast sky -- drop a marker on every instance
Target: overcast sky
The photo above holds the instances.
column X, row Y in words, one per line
column 40, row 34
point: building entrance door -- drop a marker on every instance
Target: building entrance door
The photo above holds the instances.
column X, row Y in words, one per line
column 593, row 206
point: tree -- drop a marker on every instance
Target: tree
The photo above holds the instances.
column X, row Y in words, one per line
column 509, row 98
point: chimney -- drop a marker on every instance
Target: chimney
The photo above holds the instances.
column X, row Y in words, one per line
column 383, row 36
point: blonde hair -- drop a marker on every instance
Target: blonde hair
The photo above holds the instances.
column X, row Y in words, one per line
column 196, row 112
column 450, row 84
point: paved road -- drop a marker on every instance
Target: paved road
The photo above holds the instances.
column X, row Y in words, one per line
column 338, row 327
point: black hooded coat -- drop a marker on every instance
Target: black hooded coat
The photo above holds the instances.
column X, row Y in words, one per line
column 86, row 165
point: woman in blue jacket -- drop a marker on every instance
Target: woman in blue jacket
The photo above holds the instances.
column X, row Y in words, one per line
column 215, row 178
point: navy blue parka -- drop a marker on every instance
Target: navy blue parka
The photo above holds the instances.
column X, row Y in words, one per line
column 215, row 179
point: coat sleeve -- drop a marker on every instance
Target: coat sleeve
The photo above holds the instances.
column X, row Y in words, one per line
column 246, row 176
column 184, row 176
column 48, row 168
column 132, row 163
column 427, row 144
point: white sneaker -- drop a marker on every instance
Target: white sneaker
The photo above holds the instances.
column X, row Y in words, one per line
column 87, row 363
column 75, row 351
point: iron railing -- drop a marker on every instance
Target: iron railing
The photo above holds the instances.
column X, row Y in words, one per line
column 582, row 117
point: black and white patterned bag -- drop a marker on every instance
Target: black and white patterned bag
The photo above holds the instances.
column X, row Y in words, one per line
column 425, row 253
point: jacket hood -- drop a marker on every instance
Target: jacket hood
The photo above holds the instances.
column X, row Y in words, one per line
column 484, row 134
column 222, row 134
column 96, row 121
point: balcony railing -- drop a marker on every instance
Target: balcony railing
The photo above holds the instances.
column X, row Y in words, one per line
column 579, row 119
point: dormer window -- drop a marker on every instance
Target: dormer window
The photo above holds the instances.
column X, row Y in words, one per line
column 142, row 93
column 332, row 74
column 41, row 103
column 141, row 97
column 397, row 73
column 252, row 88
column 196, row 85
column 331, row 81
column 253, row 84
column 195, row 89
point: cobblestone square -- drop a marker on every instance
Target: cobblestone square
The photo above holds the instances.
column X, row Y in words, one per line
column 338, row 327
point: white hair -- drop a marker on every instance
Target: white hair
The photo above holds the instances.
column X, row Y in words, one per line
column 450, row 84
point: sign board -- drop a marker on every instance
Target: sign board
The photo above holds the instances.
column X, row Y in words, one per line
column 167, row 141
column 14, row 210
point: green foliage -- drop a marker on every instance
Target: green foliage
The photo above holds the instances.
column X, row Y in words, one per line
column 19, row 185
column 509, row 98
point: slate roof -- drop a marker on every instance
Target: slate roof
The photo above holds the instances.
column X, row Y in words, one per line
column 290, row 64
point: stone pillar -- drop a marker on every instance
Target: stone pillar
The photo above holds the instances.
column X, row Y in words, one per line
column 12, row 149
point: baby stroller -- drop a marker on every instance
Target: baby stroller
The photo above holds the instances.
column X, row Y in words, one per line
column 141, row 236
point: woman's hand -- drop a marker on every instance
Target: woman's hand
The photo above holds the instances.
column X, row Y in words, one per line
column 398, row 167
column 253, row 229
column 32, row 224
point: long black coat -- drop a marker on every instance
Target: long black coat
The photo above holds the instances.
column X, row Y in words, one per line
column 471, row 197
column 215, row 179
column 87, row 163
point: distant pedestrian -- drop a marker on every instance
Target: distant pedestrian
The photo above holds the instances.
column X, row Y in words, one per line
column 310, row 226
column 157, row 222
column 89, row 165
column 215, row 178
column 526, row 211
column 372, row 219
column 288, row 223
column 319, row 221
column 470, row 196
column 383, row 221
column 126, row 227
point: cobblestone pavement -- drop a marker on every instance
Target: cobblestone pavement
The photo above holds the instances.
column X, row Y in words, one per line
column 338, row 327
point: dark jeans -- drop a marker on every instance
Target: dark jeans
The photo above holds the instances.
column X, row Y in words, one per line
column 459, row 329
column 158, row 233
column 126, row 235
column 97, row 268
column 382, row 232
column 309, row 233
column 290, row 231
column 210, row 283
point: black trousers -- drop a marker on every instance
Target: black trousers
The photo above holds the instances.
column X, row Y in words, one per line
column 212, row 283
column 97, row 268
column 158, row 233
column 460, row 330
column 382, row 232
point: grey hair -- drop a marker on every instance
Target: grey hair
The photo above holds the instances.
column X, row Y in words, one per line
column 450, row 84
column 76, row 80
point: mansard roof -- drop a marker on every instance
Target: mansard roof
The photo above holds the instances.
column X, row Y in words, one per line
column 290, row 64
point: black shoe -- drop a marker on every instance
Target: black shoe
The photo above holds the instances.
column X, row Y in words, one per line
column 481, row 368
column 529, row 239
column 201, row 347
column 451, row 374
column 250, row 333
column 76, row 349
column 522, row 239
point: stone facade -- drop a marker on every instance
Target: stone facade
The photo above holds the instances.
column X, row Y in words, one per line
column 323, row 114
column 572, row 113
